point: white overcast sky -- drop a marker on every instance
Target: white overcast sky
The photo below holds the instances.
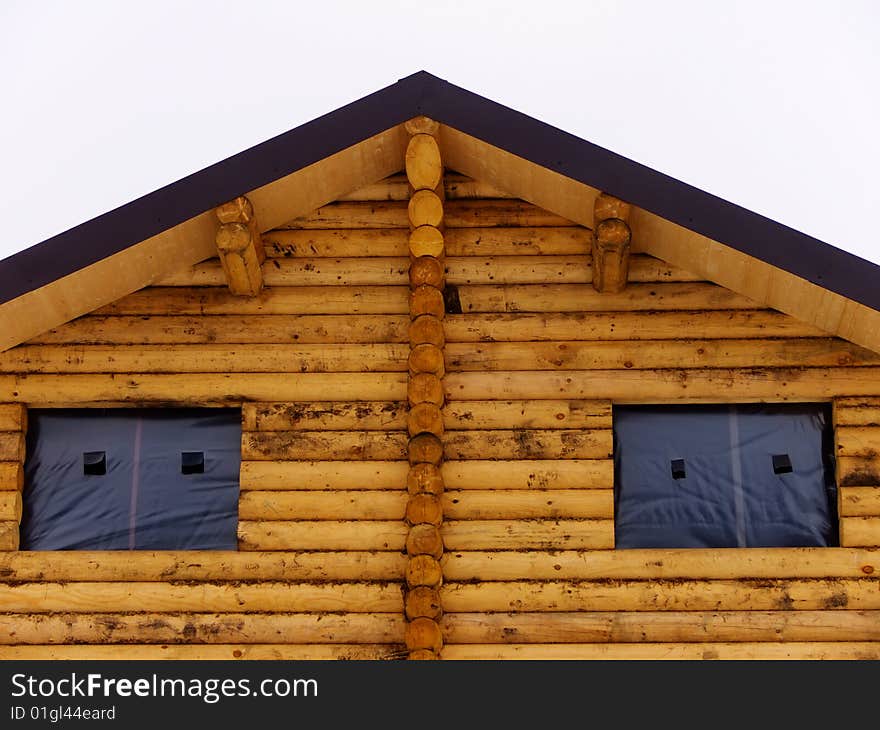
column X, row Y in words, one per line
column 772, row 105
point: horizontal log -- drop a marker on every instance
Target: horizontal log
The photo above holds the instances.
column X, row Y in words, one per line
column 660, row 626
column 12, row 446
column 841, row 650
column 546, row 241
column 199, row 565
column 396, row 187
column 9, row 535
column 10, row 506
column 858, row 471
column 858, row 441
column 296, row 296
column 860, row 531
column 641, row 355
column 859, row 501
column 529, row 444
column 733, row 324
column 647, row 595
column 490, row 213
column 329, row 415
column 323, row 505
column 322, row 535
column 106, row 597
column 203, row 628
column 210, row 652
column 857, row 411
column 528, row 534
column 529, row 474
column 238, row 329
column 668, row 564
column 197, row 389
column 322, row 474
column 378, row 214
column 529, row 269
column 206, row 358
column 13, row 417
column 468, row 415
column 326, row 445
column 339, row 243
column 498, row 504
column 11, row 475
column 584, row 298
column 651, row 386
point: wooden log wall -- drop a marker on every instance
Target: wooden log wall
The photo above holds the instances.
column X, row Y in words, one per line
column 338, row 529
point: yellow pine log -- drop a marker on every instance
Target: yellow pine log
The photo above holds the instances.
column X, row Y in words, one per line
column 488, row 213
column 660, row 626
column 425, row 209
column 573, row 355
column 423, row 633
column 13, row 416
column 860, row 531
column 529, row 444
column 285, row 299
column 663, row 564
column 106, row 597
column 424, row 570
column 325, row 415
column 424, row 168
column 426, row 300
column 423, row 602
column 201, row 388
column 322, row 474
column 858, row 471
column 386, row 214
column 496, row 504
column 207, row 358
column 425, row 478
column 529, row 474
column 340, row 243
column 12, row 446
column 651, row 386
column 322, row 505
column 859, row 501
column 200, row 565
column 426, row 329
column 840, row 650
column 424, row 388
column 396, row 187
column 583, row 298
column 424, row 509
column 9, row 535
column 322, row 535
column 648, row 595
column 239, row 329
column 427, row 358
column 426, row 271
column 422, row 655
column 206, row 652
column 11, row 475
column 424, row 539
column 241, row 253
column 425, row 448
column 327, row 445
column 10, row 506
column 528, row 534
column 203, row 628
column 426, row 241
column 858, row 441
column 524, row 327
column 863, row 411
column 518, row 241
column 425, row 418
column 611, row 245
column 468, row 415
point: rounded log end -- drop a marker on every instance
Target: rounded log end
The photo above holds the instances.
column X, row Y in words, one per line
column 424, row 634
column 424, row 478
column 424, row 509
column 238, row 210
column 425, row 388
column 424, row 540
column 423, row 602
column 424, row 570
column 426, row 270
column 422, row 125
column 426, row 241
column 425, row 448
column 427, row 330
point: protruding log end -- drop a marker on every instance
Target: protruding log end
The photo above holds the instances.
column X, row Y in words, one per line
column 422, row 125
column 424, row 540
column 425, row 209
column 425, row 388
column 424, row 509
column 607, row 206
column 424, row 634
column 424, row 570
column 427, row 330
column 426, row 241
column 424, row 478
column 424, row 168
column 425, row 448
column 427, row 358
column 423, row 602
column 426, row 271
column 239, row 258
column 425, row 418
column 611, row 245
column 426, row 300
column 238, row 210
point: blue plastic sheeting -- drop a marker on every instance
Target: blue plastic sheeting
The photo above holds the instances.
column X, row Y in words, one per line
column 724, row 476
column 132, row 479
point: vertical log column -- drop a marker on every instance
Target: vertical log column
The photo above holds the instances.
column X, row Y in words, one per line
column 13, row 427
column 611, row 243
column 240, row 247
column 424, row 511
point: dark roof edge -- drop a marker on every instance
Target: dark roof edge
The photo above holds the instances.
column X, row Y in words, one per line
column 421, row 93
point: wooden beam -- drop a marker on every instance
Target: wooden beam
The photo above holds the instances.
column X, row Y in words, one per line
column 611, row 243
column 239, row 246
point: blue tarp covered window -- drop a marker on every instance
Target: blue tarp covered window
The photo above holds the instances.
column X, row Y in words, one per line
column 132, row 479
column 724, row 476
